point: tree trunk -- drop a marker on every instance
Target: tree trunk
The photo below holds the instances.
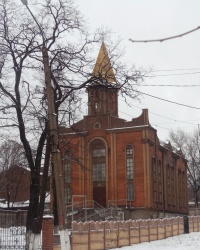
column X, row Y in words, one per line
column 44, row 185
column 32, row 214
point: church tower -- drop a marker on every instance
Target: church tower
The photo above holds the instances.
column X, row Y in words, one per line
column 103, row 92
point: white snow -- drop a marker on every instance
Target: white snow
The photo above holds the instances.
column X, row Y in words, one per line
column 181, row 242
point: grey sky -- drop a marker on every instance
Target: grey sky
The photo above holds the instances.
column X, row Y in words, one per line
column 150, row 19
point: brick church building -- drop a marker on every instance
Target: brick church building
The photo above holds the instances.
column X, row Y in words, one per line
column 113, row 161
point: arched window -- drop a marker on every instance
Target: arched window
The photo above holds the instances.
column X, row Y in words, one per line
column 129, row 173
column 98, row 166
column 173, row 190
column 98, row 161
column 168, row 185
column 157, row 178
column 160, row 181
column 154, row 171
column 182, row 190
column 67, row 177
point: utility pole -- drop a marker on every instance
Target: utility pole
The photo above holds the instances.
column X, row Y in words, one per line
column 59, row 180
column 55, row 152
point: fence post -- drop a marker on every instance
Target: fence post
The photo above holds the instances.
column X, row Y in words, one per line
column 172, row 226
column 165, row 227
column 193, row 219
column 118, row 234
column 178, row 226
column 89, row 236
column 157, row 227
column 47, row 233
column 149, row 230
column 186, row 224
column 104, row 233
column 139, row 233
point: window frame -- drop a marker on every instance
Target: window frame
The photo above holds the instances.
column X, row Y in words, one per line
column 98, row 161
column 130, row 188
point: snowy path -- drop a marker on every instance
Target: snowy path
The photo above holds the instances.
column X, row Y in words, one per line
column 182, row 242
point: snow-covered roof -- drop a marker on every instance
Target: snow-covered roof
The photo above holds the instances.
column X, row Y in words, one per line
column 4, row 203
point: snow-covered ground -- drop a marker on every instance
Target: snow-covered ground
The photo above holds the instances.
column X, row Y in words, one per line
column 182, row 242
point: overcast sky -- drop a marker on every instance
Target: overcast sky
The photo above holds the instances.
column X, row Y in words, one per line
column 175, row 62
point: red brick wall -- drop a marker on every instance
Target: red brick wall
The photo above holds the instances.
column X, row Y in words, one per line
column 117, row 134
column 47, row 233
column 17, row 180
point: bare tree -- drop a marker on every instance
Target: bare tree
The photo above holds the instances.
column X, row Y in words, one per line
column 11, row 154
column 23, row 108
column 190, row 146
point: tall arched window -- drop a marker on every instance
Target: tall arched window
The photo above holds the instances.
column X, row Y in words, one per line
column 98, row 164
column 169, row 185
column 67, row 177
column 154, row 171
column 160, row 182
column 129, row 173
column 98, row 161
column 173, row 189
column 157, row 178
column 182, row 190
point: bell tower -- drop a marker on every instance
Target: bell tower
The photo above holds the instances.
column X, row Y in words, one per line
column 103, row 91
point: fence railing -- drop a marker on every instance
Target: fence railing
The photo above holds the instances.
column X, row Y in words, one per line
column 194, row 223
column 114, row 234
column 12, row 229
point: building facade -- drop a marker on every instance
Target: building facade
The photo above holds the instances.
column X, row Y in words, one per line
column 113, row 161
column 15, row 185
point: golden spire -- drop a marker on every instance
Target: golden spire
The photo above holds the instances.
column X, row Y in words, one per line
column 103, row 67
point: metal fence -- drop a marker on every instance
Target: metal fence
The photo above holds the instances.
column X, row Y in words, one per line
column 12, row 229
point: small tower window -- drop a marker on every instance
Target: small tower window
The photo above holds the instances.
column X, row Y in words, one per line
column 97, row 103
column 111, row 100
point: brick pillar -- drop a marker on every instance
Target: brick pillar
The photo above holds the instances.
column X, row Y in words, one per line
column 47, row 233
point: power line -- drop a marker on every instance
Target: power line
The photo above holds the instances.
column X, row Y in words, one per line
column 155, row 125
column 161, row 127
column 178, row 74
column 169, row 85
column 162, row 99
column 174, row 120
column 165, row 39
column 158, row 70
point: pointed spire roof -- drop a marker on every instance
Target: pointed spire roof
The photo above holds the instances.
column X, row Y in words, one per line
column 103, row 66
